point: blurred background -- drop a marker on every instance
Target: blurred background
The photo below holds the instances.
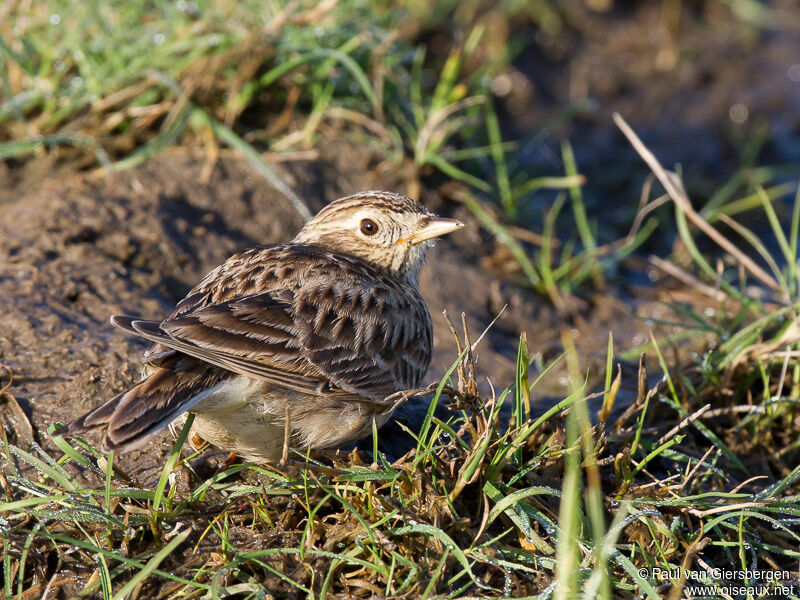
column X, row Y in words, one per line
column 480, row 92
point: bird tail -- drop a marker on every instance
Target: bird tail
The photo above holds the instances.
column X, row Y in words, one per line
column 130, row 419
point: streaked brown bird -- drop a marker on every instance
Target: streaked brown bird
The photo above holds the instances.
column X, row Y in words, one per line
column 320, row 331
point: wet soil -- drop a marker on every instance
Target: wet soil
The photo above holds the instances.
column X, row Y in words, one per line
column 75, row 250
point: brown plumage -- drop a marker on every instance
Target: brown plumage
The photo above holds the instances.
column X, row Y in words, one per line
column 322, row 329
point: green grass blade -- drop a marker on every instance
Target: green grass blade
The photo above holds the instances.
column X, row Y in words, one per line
column 171, row 461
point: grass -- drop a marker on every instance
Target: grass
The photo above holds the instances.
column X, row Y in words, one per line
column 694, row 471
column 556, row 505
column 663, row 460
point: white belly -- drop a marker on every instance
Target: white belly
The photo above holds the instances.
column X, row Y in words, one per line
column 247, row 416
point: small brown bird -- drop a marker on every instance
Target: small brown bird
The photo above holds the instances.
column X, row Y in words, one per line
column 319, row 331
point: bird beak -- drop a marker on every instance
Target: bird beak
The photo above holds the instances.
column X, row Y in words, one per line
column 436, row 227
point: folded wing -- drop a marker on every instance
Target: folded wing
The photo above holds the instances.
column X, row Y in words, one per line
column 326, row 333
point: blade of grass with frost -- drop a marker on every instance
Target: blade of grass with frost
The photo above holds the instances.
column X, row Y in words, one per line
column 105, row 577
column 710, row 435
column 512, row 505
column 69, row 452
column 452, row 433
column 634, row 572
column 436, row 573
column 8, row 582
column 327, row 583
column 773, row 490
column 243, row 558
column 447, row 542
column 675, row 403
column 57, row 474
column 23, row 557
column 602, row 553
column 26, row 503
column 657, row 451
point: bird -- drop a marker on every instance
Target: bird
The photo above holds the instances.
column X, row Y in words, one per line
column 300, row 344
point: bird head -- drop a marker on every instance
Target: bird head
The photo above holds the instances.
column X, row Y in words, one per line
column 388, row 230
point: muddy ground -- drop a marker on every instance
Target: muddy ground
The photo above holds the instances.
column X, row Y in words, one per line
column 74, row 251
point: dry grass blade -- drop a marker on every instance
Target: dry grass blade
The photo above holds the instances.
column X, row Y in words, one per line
column 681, row 275
column 676, row 191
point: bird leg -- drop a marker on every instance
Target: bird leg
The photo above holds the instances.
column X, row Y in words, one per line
column 356, row 456
column 286, row 435
column 227, row 463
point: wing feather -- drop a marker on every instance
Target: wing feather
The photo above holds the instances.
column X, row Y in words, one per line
column 330, row 320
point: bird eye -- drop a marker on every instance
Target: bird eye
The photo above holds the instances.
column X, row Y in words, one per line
column 369, row 227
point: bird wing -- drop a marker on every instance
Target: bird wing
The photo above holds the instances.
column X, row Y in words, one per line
column 333, row 322
column 206, row 340
column 372, row 340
